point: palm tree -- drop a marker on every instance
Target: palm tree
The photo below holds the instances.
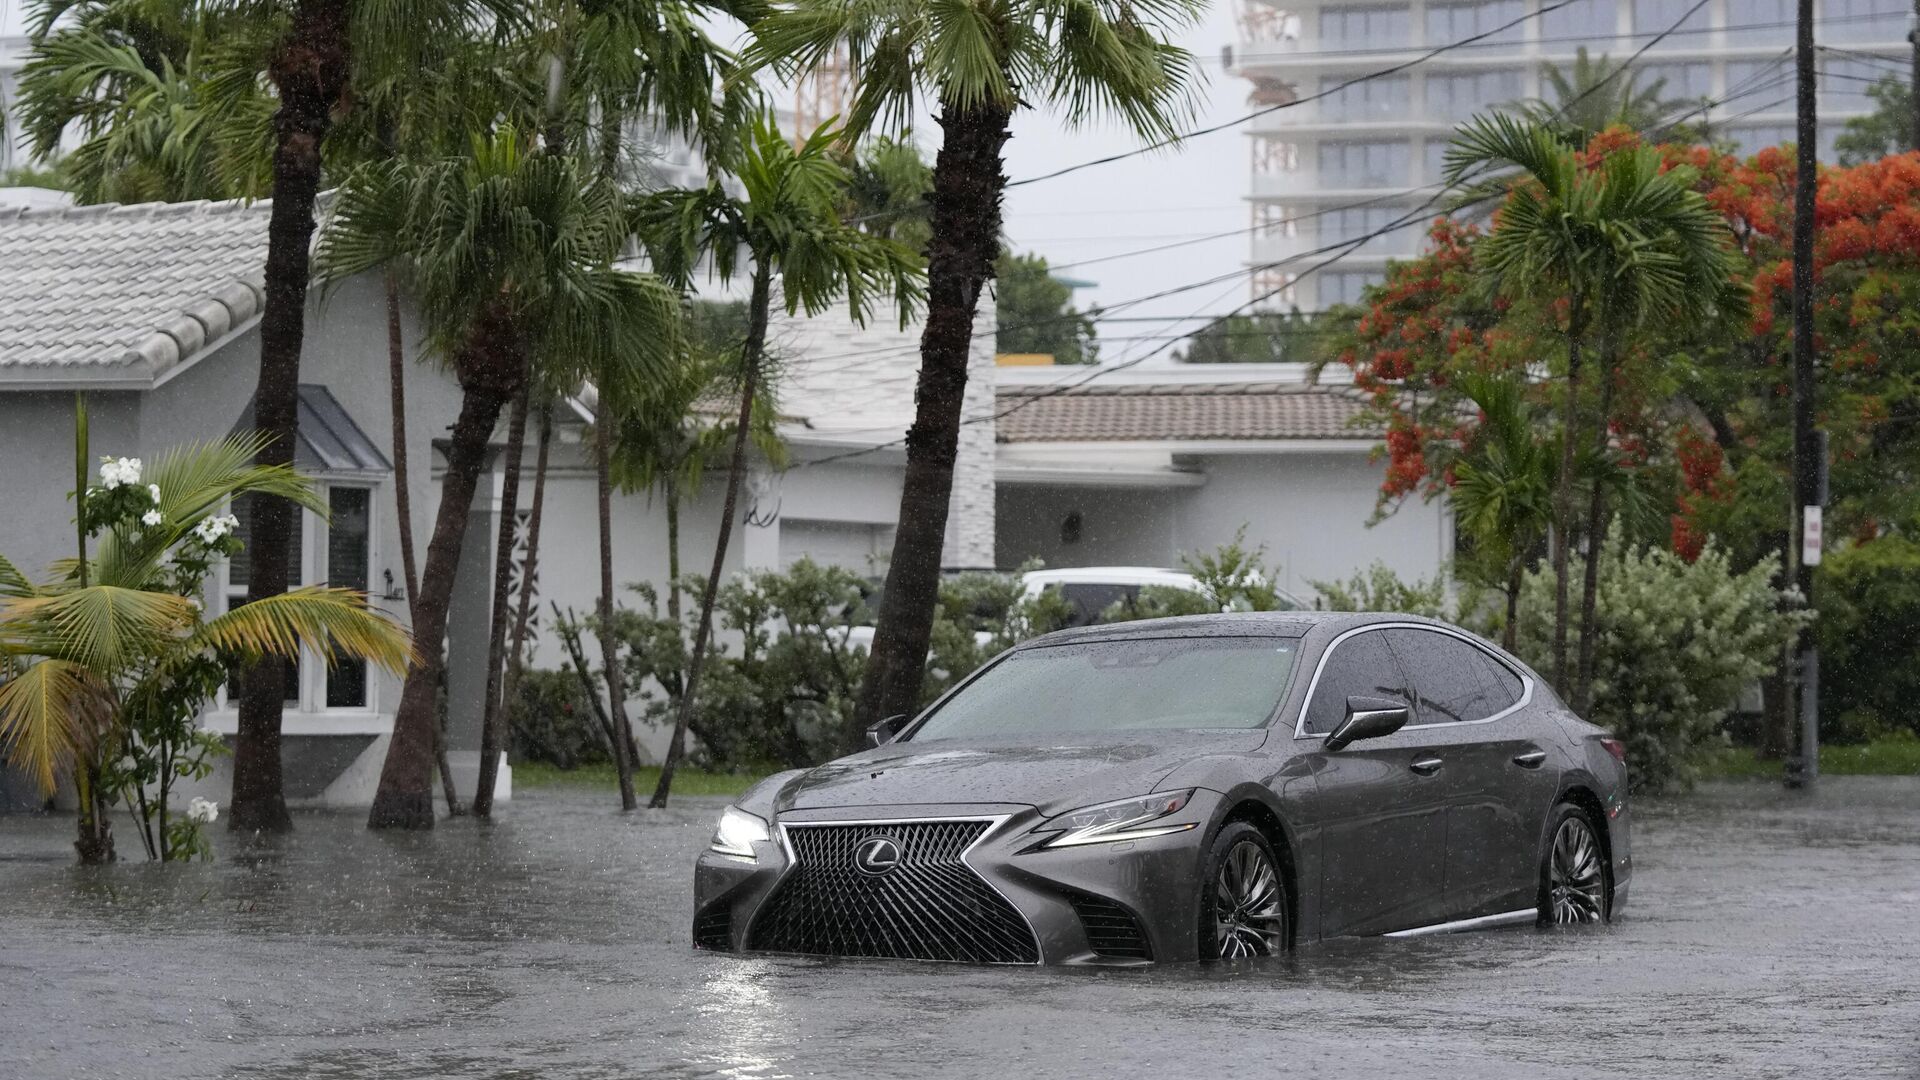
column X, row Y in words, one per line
column 308, row 53
column 788, row 223
column 112, row 633
column 1503, row 485
column 509, row 255
column 1619, row 243
column 609, row 65
column 975, row 65
column 1596, row 94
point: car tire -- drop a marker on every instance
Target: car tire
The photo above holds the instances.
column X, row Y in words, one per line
column 1243, row 897
column 1576, row 884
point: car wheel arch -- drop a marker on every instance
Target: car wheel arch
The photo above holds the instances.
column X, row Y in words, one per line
column 1249, row 807
column 1581, row 794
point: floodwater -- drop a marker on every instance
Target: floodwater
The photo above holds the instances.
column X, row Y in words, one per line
column 1769, row 935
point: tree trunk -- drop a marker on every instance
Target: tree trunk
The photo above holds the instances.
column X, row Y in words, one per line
column 967, row 188
column 623, row 748
column 403, row 509
column 1596, row 541
column 490, row 369
column 529, row 567
column 309, row 69
column 1563, row 493
column 671, row 494
column 1516, row 575
column 492, row 719
column 95, row 843
column 750, row 372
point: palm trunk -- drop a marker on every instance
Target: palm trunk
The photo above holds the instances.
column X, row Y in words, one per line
column 95, row 843
column 671, row 493
column 623, row 748
column 403, row 510
column 710, row 590
column 1563, row 493
column 529, row 567
column 492, row 719
column 1596, row 539
column 309, row 69
column 967, row 188
column 491, row 368
column 1516, row 575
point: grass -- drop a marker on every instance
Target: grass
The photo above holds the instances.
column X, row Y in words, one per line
column 1885, row 757
column 686, row 781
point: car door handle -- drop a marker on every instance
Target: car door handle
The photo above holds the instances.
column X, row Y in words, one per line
column 1426, row 766
column 1531, row 759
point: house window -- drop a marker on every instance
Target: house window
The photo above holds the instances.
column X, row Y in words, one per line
column 349, row 555
column 338, row 553
column 239, row 575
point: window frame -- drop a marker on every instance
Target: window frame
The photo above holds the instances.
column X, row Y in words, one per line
column 1313, row 685
column 310, row 694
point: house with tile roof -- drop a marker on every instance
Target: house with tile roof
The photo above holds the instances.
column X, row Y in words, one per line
column 153, row 311
column 1137, row 466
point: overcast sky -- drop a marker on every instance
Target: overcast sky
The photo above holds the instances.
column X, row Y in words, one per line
column 1171, row 195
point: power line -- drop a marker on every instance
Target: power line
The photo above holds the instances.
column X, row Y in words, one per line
column 1257, row 113
column 1345, row 249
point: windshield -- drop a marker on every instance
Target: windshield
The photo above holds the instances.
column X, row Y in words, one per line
column 1139, row 684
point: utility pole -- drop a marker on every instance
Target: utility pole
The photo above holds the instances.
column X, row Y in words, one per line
column 1913, row 84
column 1808, row 461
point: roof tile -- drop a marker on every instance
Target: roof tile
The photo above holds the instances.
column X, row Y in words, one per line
column 1182, row 411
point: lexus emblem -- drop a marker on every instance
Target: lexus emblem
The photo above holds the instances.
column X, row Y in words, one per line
column 876, row 855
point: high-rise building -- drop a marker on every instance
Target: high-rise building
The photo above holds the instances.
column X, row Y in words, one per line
column 1362, row 157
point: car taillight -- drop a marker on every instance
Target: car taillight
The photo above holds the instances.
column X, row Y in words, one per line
column 1617, row 748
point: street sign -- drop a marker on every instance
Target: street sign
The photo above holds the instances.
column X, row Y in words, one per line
column 1810, row 535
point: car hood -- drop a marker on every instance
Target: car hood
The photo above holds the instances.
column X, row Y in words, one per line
column 1054, row 774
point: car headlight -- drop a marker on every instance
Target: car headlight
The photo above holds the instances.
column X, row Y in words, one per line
column 1127, row 819
column 737, row 833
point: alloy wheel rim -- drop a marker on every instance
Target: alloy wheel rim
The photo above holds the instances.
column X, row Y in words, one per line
column 1577, row 884
column 1249, row 913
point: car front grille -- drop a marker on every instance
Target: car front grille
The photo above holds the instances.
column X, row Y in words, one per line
column 929, row 905
column 1111, row 929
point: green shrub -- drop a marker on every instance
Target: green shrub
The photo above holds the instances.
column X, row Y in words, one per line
column 551, row 721
column 1869, row 632
column 1676, row 642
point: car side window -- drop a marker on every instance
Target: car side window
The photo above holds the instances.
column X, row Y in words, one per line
column 1451, row 683
column 1361, row 665
column 1507, row 686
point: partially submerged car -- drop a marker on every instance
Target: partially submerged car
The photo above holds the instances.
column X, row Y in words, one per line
column 1208, row 787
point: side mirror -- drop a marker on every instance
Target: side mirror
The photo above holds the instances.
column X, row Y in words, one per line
column 1368, row 718
column 882, row 732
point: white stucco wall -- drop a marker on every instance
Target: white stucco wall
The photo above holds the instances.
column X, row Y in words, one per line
column 1309, row 508
column 853, row 386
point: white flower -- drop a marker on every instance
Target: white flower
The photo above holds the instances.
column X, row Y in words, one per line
column 194, row 602
column 204, row 811
column 151, row 517
column 213, row 528
column 154, row 490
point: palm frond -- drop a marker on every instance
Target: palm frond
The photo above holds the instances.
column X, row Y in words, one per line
column 40, row 707
column 105, row 628
column 331, row 622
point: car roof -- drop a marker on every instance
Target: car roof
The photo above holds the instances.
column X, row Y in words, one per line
column 1115, row 575
column 1291, row 624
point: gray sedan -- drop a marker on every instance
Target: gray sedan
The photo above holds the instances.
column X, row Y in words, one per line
column 1212, row 787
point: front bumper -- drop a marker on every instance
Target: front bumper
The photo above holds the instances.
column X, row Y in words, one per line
column 1121, row 903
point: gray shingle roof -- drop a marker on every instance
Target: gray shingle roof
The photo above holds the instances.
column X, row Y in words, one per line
column 1238, row 411
column 117, row 295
